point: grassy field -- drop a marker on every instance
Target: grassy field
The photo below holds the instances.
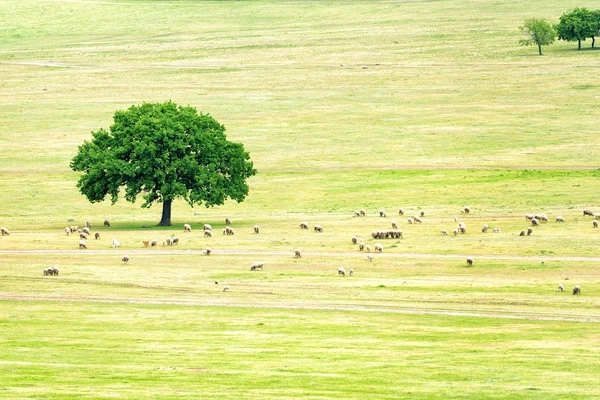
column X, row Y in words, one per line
column 343, row 105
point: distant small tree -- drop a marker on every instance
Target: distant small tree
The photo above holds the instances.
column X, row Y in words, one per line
column 578, row 24
column 164, row 152
column 537, row 32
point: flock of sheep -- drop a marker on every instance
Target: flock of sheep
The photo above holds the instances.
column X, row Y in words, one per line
column 394, row 233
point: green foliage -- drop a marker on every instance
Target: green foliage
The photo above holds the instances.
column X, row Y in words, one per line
column 577, row 25
column 537, row 32
column 163, row 151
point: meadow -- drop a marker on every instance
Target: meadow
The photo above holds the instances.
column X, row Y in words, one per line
column 343, row 105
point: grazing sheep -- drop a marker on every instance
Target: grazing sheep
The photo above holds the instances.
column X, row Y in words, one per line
column 226, row 288
column 369, row 258
column 529, row 217
column 125, row 259
column 588, row 212
column 597, row 215
column 361, row 246
column 485, row 228
column 196, row 213
column 561, row 288
column 227, row 221
column 257, row 266
column 357, row 213
column 106, row 223
column 175, row 239
column 422, row 213
column 400, row 212
column 229, row 230
column 378, row 248
column 67, row 231
column 86, row 231
column 351, row 272
column 444, row 232
column 207, row 227
column 465, row 210
column 368, row 248
column 82, row 244
column 88, row 224
column 529, row 231
column 53, row 270
column 595, row 223
column 82, row 236
column 297, row 254
column 382, row 213
column 354, row 240
column 469, row 262
column 256, row 229
column 462, row 227
column 417, row 219
column 535, row 222
column 146, row 243
column 341, row 271
column 456, row 230
column 97, row 235
column 543, row 218
column 410, row 220
column 522, row 233
column 496, row 230
column 394, row 225
column 303, row 225
column 46, row 271
column 208, row 251
column 207, row 233
column 73, row 228
column 318, row 228
column 362, row 212
column 224, row 231
column 154, row 243
column 559, row 219
column 187, row 228
column 455, row 219
column 116, row 243
column 203, row 252
column 576, row 290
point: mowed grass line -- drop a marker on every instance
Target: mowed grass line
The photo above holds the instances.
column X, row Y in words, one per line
column 165, row 352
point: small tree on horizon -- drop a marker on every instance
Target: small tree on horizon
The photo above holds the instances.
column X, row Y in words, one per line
column 577, row 25
column 163, row 152
column 537, row 32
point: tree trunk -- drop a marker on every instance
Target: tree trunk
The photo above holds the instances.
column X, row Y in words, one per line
column 540, row 49
column 593, row 41
column 579, row 45
column 166, row 214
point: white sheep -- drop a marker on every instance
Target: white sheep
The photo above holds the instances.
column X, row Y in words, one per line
column 378, row 248
column 543, row 218
column 86, row 230
column 535, row 222
column 529, row 217
column 362, row 212
column 444, row 232
column 485, row 228
column 5, row 231
column 354, row 240
column 227, row 221
column 207, row 233
column 257, row 266
column 597, row 215
column 595, row 223
column 351, row 272
column 341, row 271
column 576, row 290
column 357, row 213
column 369, row 258
column 297, row 254
column 153, row 243
column 361, row 246
column 208, row 251
column 207, row 227
column 417, row 219
column 455, row 219
column 368, row 248
column 67, row 231
column 303, row 225
column 529, row 231
column 410, row 220
column 318, row 228
column 456, row 230
column 561, row 288
column 559, row 219
column 256, row 229
column 116, row 243
column 226, row 288
column 187, row 228
column 496, row 230
column 88, row 224
column 466, row 209
column 394, row 225
column 125, row 259
column 522, row 233
column 82, row 244
column 382, row 213
column 175, row 240
column 400, row 211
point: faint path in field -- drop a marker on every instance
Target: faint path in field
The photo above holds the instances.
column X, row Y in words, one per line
column 310, row 254
column 538, row 316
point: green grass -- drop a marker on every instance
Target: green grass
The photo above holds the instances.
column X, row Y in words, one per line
column 450, row 111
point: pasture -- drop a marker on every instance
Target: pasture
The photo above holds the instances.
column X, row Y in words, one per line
column 420, row 105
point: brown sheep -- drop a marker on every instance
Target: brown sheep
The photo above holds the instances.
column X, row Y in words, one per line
column 576, row 290
column 146, row 243
column 469, row 262
column 97, row 235
column 400, row 212
column 354, row 240
column 362, row 212
column 106, row 223
column 595, row 223
column 125, row 259
column 522, row 233
column 529, row 231
column 297, row 254
column 227, row 221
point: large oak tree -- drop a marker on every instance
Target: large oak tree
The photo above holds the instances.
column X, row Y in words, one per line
column 163, row 151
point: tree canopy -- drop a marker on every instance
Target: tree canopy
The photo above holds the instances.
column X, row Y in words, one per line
column 577, row 25
column 537, row 32
column 163, row 152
